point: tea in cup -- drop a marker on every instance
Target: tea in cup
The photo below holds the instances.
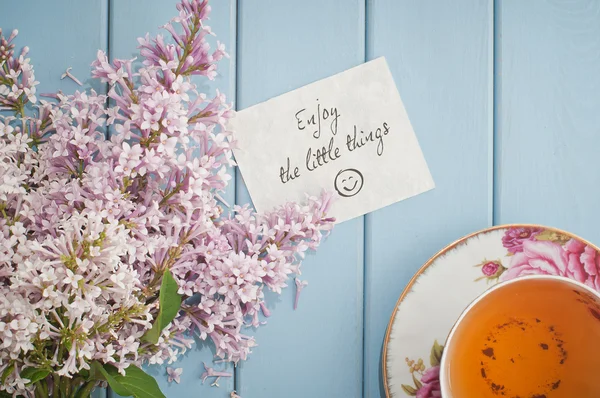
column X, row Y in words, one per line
column 532, row 337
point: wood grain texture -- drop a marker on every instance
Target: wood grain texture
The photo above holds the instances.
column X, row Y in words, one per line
column 548, row 125
column 56, row 46
column 315, row 351
column 547, row 131
column 128, row 21
column 440, row 54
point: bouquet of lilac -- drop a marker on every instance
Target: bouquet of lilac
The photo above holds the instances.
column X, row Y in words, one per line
column 115, row 253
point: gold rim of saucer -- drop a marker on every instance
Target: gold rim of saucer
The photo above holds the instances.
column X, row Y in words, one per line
column 424, row 267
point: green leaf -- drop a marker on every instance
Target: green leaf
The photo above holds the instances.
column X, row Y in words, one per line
column 169, row 305
column 98, row 372
column 418, row 384
column 9, row 369
column 136, row 383
column 95, row 373
column 34, row 375
column 409, row 390
column 141, row 384
column 85, row 390
column 85, row 374
column 436, row 354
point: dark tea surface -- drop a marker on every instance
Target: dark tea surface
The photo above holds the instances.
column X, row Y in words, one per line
column 528, row 339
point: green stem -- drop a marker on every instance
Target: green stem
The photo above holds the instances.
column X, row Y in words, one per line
column 55, row 386
column 199, row 115
column 21, row 109
column 74, row 385
column 168, row 196
column 188, row 45
column 86, row 390
column 41, row 391
column 45, row 387
column 65, row 387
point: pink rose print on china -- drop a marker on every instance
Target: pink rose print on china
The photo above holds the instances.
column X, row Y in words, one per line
column 431, row 384
column 426, row 380
column 512, row 252
column 490, row 268
column 583, row 263
column 538, row 258
column 514, row 237
column 574, row 260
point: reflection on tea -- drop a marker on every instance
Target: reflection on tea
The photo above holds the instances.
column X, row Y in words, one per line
column 529, row 339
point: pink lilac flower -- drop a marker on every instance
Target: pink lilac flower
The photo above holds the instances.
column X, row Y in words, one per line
column 431, row 384
column 174, row 374
column 17, row 81
column 514, row 237
column 210, row 372
column 70, row 76
column 89, row 226
column 300, row 285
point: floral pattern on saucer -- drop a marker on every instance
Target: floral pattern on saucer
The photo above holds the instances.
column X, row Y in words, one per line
column 426, row 380
column 525, row 250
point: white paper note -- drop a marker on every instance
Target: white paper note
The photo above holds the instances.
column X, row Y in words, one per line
column 348, row 133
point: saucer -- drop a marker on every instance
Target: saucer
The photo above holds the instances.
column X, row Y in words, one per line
column 440, row 291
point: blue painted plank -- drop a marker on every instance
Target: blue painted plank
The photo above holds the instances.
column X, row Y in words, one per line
column 315, row 351
column 548, row 125
column 130, row 20
column 59, row 34
column 440, row 54
column 72, row 41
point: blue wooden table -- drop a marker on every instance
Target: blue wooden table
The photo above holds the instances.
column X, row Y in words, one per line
column 504, row 97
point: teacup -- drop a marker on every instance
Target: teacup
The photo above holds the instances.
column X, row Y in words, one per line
column 531, row 337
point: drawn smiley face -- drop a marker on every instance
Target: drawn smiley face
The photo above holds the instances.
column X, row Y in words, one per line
column 348, row 182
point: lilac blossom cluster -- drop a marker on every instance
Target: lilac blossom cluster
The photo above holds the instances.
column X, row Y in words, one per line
column 89, row 226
